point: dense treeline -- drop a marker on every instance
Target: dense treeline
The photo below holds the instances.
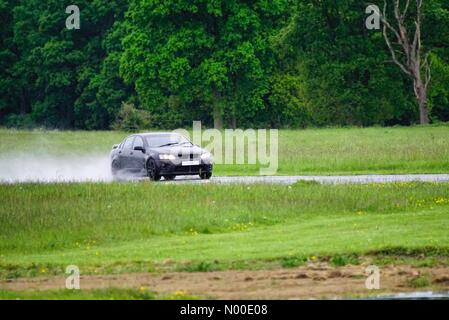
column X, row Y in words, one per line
column 164, row 63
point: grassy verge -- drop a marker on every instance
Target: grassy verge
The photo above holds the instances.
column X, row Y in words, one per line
column 107, row 228
column 312, row 151
column 98, row 294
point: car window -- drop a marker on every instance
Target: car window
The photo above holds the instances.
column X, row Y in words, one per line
column 128, row 143
column 158, row 140
column 138, row 142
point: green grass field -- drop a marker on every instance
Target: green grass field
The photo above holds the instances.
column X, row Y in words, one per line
column 98, row 294
column 108, row 228
column 312, row 151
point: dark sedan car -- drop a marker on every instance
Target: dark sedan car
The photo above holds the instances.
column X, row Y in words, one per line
column 159, row 155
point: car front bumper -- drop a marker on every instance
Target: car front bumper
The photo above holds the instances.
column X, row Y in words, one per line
column 166, row 167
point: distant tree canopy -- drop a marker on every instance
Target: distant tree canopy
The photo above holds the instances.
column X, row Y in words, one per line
column 56, row 77
column 276, row 63
column 208, row 55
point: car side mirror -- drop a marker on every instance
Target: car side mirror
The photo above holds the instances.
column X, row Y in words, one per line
column 138, row 148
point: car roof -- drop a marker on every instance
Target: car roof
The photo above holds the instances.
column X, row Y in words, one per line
column 151, row 134
column 148, row 134
column 155, row 133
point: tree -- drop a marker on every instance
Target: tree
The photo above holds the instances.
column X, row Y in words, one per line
column 278, row 63
column 58, row 77
column 413, row 61
column 102, row 90
column 212, row 53
column 336, row 72
column 131, row 119
column 8, row 57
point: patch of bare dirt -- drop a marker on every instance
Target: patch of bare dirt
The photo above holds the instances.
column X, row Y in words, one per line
column 298, row 283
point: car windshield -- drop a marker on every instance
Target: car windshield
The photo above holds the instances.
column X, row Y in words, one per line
column 159, row 140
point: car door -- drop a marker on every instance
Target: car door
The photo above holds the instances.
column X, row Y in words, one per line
column 125, row 154
column 137, row 157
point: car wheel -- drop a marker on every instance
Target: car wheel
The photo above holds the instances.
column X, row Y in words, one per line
column 115, row 167
column 205, row 175
column 153, row 174
column 170, row 177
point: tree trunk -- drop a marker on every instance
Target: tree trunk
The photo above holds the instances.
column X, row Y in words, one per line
column 217, row 111
column 23, row 102
column 218, row 116
column 23, row 106
column 233, row 122
column 416, row 68
column 421, row 96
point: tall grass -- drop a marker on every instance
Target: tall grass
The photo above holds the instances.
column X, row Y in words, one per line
column 313, row 151
column 39, row 218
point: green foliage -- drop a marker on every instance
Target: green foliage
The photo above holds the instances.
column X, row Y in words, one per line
column 202, row 266
column 19, row 121
column 131, row 119
column 344, row 75
column 344, row 259
column 250, row 63
column 292, row 262
column 420, row 281
column 439, row 93
column 64, row 78
column 95, row 294
column 213, row 56
column 288, row 107
column 8, row 57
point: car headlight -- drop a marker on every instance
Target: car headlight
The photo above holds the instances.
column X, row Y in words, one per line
column 167, row 157
column 206, row 156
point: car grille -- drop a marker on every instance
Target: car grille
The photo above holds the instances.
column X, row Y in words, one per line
column 189, row 156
